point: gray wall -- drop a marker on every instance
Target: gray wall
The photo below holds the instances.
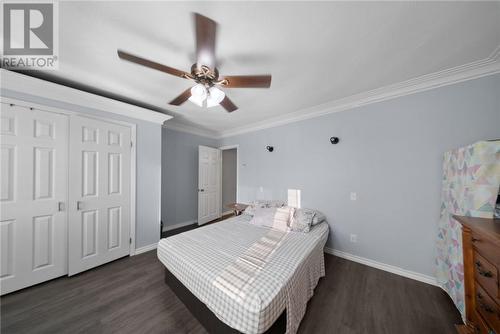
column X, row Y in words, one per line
column 148, row 167
column 180, row 176
column 228, row 178
column 390, row 154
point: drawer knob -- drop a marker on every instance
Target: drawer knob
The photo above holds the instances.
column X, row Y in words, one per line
column 483, row 272
column 486, row 307
column 474, row 239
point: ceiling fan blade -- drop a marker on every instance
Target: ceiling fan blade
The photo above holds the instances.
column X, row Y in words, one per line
column 228, row 104
column 151, row 64
column 205, row 40
column 248, row 81
column 185, row 95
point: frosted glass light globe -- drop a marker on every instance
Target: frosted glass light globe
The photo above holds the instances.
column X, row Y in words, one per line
column 215, row 96
column 198, row 94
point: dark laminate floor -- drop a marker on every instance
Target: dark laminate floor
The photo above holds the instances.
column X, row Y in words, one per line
column 129, row 296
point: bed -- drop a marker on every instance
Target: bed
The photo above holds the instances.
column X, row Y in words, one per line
column 252, row 279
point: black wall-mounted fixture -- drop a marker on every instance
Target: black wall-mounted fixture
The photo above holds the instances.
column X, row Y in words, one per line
column 270, row 148
column 334, row 140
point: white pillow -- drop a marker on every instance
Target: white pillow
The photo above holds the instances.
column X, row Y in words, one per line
column 250, row 210
column 276, row 218
column 270, row 203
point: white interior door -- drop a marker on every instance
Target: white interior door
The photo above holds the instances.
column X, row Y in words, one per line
column 209, row 187
column 99, row 196
column 34, row 176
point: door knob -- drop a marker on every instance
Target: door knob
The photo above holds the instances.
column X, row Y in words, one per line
column 61, row 206
column 79, row 205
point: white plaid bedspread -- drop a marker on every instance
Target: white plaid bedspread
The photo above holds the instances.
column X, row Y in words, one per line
column 245, row 274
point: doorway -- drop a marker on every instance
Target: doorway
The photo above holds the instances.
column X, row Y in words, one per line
column 229, row 178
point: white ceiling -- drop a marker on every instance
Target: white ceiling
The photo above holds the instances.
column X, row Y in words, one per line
column 316, row 52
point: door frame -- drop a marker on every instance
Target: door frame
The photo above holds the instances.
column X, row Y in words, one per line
column 133, row 152
column 230, row 147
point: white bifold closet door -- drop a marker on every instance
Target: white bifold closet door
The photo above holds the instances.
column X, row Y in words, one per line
column 64, row 197
column 209, row 184
column 99, row 193
column 34, row 176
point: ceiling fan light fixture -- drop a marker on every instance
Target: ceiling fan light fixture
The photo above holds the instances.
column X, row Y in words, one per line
column 215, row 97
column 199, row 90
column 196, row 100
column 204, row 71
column 198, row 94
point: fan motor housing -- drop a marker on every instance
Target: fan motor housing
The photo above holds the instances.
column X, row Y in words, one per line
column 204, row 74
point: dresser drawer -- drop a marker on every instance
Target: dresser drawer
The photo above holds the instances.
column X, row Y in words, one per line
column 486, row 274
column 480, row 326
column 486, row 248
column 487, row 308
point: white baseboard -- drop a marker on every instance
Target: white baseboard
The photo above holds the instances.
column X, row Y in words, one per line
column 145, row 249
column 173, row 227
column 382, row 266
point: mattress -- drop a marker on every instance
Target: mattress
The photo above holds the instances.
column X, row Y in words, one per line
column 246, row 274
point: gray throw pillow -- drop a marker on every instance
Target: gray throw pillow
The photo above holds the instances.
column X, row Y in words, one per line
column 318, row 217
column 302, row 220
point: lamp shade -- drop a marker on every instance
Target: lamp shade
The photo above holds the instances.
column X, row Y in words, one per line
column 215, row 96
column 198, row 94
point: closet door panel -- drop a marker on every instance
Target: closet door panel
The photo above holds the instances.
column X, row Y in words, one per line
column 34, row 180
column 100, row 157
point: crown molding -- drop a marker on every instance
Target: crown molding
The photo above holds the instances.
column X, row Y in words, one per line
column 473, row 70
column 194, row 130
column 25, row 84
column 495, row 55
column 470, row 71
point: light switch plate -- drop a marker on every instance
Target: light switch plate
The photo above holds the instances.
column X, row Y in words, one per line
column 354, row 196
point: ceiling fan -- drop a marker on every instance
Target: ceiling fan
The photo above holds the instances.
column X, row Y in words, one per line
column 207, row 90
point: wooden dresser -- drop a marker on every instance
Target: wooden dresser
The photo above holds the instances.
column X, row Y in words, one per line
column 481, row 247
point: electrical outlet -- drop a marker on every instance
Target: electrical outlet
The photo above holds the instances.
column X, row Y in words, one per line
column 354, row 238
column 354, row 196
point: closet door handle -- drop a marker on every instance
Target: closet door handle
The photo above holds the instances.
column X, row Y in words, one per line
column 79, row 205
column 61, row 206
